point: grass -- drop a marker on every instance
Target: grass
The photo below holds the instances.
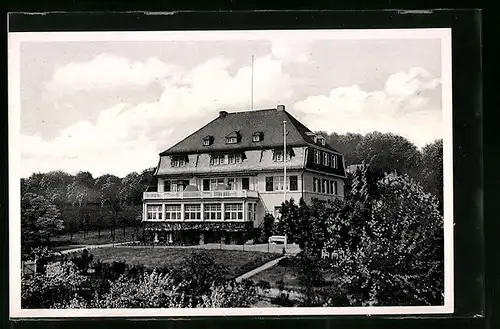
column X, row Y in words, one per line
column 238, row 262
column 64, row 241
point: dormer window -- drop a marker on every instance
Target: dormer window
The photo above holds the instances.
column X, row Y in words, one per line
column 233, row 138
column 207, row 140
column 178, row 161
column 321, row 140
column 257, row 137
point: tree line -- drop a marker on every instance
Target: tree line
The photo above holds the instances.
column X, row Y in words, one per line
column 387, row 153
column 57, row 202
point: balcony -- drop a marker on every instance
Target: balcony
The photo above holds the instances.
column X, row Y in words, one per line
column 200, row 194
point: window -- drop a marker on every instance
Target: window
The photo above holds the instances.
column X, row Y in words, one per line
column 173, row 212
column 167, row 187
column 178, row 161
column 269, row 183
column 293, row 183
column 324, row 186
column 245, row 182
column 234, row 158
column 321, row 140
column 326, row 159
column 212, row 211
column 206, row 185
column 217, row 159
column 250, row 211
column 231, row 182
column 154, row 212
column 233, row 211
column 256, row 138
column 317, row 156
column 334, row 161
column 178, row 185
column 279, row 185
column 278, row 156
column 207, row 140
column 334, row 188
column 315, row 184
column 231, row 140
column 214, row 182
column 192, row 212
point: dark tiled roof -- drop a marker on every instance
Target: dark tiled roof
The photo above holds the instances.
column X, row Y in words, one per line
column 269, row 122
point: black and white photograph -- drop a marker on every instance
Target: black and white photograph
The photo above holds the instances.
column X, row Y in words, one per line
column 237, row 172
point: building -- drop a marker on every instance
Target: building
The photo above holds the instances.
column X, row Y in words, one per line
column 218, row 183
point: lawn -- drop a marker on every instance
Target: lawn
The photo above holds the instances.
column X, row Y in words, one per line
column 237, row 261
column 63, row 241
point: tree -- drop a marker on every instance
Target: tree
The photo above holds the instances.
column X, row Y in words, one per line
column 267, row 228
column 131, row 189
column 431, row 176
column 54, row 185
column 399, row 259
column 109, row 186
column 40, row 219
column 388, row 153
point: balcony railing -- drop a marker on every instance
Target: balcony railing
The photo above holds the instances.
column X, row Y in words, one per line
column 200, row 194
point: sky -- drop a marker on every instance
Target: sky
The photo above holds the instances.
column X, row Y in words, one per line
column 109, row 106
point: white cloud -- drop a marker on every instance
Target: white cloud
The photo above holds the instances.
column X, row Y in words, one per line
column 400, row 108
column 128, row 137
column 109, row 71
column 291, row 50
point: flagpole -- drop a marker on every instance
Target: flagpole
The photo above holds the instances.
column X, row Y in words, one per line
column 284, row 161
column 284, row 173
column 251, row 88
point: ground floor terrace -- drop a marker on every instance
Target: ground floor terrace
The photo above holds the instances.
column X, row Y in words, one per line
column 198, row 233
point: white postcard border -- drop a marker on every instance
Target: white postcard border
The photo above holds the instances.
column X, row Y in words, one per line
column 14, row 42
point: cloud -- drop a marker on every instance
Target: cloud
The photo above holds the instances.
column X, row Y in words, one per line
column 291, row 50
column 107, row 71
column 402, row 108
column 128, row 137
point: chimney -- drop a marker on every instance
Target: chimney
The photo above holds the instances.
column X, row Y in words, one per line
column 280, row 107
column 222, row 114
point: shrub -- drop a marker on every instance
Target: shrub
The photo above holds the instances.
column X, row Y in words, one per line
column 284, row 300
column 83, row 261
column 264, row 285
column 285, row 262
column 152, row 290
column 60, row 284
column 230, row 294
